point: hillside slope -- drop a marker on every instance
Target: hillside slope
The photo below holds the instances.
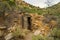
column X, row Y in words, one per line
column 55, row 9
column 18, row 23
column 32, row 9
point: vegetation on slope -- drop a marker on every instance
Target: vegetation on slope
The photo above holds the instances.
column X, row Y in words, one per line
column 8, row 9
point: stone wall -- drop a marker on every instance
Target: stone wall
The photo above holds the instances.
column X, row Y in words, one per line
column 31, row 22
column 43, row 23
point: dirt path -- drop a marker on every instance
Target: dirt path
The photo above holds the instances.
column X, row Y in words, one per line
column 28, row 36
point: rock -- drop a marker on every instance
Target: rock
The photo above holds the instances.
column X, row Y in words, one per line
column 1, row 33
column 37, row 32
column 9, row 36
column 2, row 27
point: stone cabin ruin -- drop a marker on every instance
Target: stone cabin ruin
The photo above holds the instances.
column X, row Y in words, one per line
column 28, row 21
column 21, row 19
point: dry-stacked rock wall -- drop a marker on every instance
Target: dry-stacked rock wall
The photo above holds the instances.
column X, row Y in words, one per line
column 43, row 23
column 31, row 22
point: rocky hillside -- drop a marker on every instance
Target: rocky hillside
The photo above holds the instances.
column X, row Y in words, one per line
column 30, row 8
column 21, row 21
column 54, row 9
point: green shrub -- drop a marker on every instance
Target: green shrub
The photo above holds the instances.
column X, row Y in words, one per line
column 38, row 37
column 20, row 32
column 55, row 33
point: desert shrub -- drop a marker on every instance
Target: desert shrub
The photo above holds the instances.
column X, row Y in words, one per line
column 38, row 37
column 55, row 33
column 19, row 32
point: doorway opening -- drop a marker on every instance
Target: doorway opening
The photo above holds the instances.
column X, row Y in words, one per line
column 29, row 23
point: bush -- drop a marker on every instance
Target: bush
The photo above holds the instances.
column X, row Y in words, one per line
column 19, row 32
column 55, row 33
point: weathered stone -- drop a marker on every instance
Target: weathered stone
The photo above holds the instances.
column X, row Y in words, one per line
column 2, row 28
column 37, row 32
column 1, row 33
column 9, row 36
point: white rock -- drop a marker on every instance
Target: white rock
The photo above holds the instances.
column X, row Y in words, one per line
column 37, row 32
column 8, row 37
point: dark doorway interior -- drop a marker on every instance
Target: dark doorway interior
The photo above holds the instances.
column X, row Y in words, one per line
column 29, row 22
